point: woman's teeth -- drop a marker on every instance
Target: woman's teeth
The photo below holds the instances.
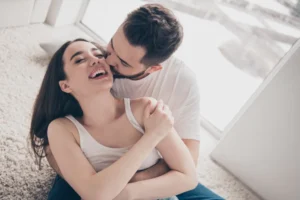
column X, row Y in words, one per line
column 97, row 73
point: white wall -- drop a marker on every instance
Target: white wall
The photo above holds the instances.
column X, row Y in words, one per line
column 64, row 12
column 23, row 12
column 15, row 12
column 261, row 147
column 39, row 11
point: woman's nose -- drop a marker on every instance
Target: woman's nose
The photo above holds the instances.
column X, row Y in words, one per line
column 100, row 61
column 95, row 61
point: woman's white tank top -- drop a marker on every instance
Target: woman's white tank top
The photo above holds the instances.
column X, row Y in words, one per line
column 101, row 156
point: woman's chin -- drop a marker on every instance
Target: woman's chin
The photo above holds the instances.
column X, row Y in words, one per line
column 103, row 87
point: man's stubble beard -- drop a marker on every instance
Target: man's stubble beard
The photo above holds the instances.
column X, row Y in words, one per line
column 137, row 76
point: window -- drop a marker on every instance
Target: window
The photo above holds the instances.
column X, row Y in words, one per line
column 231, row 45
column 104, row 17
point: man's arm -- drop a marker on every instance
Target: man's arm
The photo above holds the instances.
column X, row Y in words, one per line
column 161, row 167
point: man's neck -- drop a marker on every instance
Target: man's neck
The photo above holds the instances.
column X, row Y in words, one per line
column 140, row 77
column 135, row 77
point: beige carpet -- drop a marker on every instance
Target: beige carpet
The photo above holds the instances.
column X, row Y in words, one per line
column 22, row 66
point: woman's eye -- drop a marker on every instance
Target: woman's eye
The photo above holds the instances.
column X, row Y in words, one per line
column 79, row 61
column 99, row 55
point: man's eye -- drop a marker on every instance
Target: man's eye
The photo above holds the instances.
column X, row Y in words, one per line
column 125, row 65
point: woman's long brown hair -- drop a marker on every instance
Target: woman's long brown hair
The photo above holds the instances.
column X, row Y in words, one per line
column 51, row 102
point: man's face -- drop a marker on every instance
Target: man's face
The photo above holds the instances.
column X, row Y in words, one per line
column 125, row 59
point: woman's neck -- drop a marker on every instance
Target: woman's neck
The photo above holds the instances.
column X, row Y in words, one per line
column 100, row 109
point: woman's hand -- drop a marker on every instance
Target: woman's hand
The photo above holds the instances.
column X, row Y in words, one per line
column 160, row 122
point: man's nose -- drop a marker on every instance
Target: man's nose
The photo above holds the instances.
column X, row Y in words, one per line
column 108, row 58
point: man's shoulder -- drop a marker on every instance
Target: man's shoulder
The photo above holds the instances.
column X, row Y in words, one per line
column 142, row 102
column 176, row 69
column 177, row 84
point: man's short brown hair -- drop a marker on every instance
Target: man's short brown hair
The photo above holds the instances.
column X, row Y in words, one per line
column 156, row 29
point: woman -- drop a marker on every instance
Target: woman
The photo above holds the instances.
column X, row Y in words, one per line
column 98, row 141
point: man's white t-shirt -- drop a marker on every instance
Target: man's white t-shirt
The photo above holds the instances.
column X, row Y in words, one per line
column 177, row 86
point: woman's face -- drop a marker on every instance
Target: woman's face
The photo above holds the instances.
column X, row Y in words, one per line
column 86, row 70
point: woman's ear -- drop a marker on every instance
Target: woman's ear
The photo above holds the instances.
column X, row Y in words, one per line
column 153, row 68
column 64, row 86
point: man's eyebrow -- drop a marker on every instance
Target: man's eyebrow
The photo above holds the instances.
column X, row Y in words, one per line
column 112, row 46
column 81, row 52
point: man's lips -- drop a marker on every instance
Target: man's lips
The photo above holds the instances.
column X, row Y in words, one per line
column 118, row 75
column 114, row 71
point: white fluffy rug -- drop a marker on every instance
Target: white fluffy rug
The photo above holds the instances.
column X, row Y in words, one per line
column 22, row 66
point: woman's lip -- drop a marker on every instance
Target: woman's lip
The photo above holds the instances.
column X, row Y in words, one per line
column 99, row 77
column 90, row 76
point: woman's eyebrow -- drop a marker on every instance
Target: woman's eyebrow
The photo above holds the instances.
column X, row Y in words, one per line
column 95, row 49
column 76, row 54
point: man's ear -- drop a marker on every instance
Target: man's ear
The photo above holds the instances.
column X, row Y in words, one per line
column 153, row 68
column 64, row 86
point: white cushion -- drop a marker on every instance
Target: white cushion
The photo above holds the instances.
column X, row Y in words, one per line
column 51, row 47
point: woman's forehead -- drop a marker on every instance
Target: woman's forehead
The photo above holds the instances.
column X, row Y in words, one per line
column 79, row 46
column 76, row 47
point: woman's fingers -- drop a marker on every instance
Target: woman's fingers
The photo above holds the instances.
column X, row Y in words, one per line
column 147, row 110
column 167, row 110
column 162, row 109
column 160, row 105
column 169, row 113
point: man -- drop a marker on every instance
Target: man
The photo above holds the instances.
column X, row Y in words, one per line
column 139, row 54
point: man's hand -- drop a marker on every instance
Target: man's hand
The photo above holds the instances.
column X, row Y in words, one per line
column 124, row 194
column 160, row 168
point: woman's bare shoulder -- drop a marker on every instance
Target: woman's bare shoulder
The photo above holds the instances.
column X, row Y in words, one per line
column 60, row 123
column 59, row 126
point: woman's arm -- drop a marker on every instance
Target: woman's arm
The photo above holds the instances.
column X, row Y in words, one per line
column 106, row 184
column 181, row 178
